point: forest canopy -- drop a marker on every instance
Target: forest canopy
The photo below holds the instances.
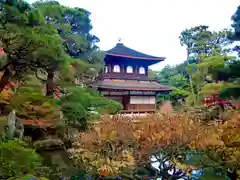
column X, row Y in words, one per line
column 210, row 67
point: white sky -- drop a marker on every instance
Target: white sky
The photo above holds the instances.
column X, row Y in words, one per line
column 153, row 26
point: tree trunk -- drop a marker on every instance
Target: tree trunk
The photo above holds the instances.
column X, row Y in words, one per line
column 5, row 79
column 50, row 83
column 190, row 78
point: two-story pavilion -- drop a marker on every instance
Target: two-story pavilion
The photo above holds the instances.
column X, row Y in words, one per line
column 126, row 79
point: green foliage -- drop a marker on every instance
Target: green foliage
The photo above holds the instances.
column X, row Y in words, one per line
column 30, row 103
column 26, row 177
column 200, row 40
column 174, row 76
column 236, row 24
column 215, row 88
column 73, row 25
column 106, row 106
column 209, row 52
column 178, row 94
column 207, row 65
column 78, row 70
column 78, row 102
column 17, row 159
column 81, row 62
column 28, row 41
column 230, row 92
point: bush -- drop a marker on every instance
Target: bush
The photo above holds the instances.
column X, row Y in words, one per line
column 16, row 159
column 77, row 104
column 119, row 143
column 30, row 103
column 107, row 106
column 27, row 177
column 207, row 114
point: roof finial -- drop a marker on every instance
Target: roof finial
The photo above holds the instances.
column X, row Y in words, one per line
column 119, row 40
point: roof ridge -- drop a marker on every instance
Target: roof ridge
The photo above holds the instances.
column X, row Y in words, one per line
column 121, row 50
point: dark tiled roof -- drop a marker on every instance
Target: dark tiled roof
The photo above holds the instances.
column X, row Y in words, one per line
column 132, row 85
column 122, row 51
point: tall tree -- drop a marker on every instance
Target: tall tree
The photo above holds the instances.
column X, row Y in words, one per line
column 74, row 26
column 25, row 37
column 208, row 48
column 236, row 27
column 232, row 73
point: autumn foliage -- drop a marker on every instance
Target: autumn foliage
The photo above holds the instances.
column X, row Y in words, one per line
column 121, row 142
column 30, row 104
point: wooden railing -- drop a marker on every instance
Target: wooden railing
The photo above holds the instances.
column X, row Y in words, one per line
column 140, row 108
column 125, row 76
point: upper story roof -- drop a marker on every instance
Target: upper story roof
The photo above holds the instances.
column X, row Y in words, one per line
column 125, row 52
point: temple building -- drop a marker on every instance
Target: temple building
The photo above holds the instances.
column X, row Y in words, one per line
column 126, row 79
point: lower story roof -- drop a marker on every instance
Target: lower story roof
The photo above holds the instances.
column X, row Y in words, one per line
column 132, row 85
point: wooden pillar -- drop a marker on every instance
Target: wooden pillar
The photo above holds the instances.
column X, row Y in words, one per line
column 135, row 69
column 122, row 68
column 146, row 71
column 110, row 68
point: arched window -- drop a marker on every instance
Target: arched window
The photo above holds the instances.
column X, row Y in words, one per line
column 116, row 68
column 141, row 70
column 129, row 69
column 106, row 69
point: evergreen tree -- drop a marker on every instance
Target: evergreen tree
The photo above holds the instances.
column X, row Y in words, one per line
column 25, row 39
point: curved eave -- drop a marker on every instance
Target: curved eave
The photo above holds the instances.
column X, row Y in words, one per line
column 140, row 58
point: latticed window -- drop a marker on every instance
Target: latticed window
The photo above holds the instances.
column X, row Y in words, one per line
column 142, row 100
column 116, row 68
column 129, row 69
column 141, row 70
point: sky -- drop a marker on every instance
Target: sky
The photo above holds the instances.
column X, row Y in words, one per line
column 153, row 26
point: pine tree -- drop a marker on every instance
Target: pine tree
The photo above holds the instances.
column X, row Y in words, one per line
column 25, row 38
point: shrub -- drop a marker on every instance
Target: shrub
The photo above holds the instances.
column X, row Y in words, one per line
column 77, row 104
column 27, row 177
column 119, row 143
column 107, row 106
column 30, row 103
column 16, row 159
